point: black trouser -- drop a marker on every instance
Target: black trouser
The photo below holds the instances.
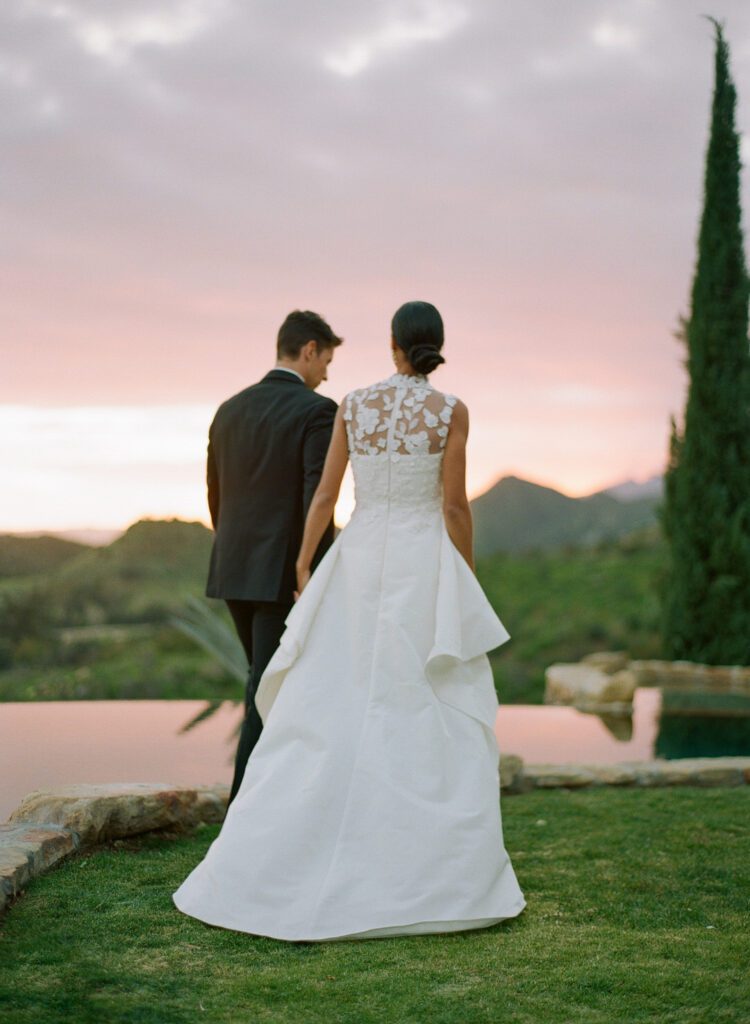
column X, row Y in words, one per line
column 259, row 625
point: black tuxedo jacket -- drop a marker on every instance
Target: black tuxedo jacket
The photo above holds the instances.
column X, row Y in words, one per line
column 266, row 449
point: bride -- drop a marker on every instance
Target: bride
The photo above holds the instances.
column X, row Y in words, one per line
column 370, row 806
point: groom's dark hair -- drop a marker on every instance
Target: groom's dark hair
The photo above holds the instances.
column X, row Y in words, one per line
column 300, row 327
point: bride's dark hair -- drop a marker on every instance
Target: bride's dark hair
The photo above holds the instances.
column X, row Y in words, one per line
column 417, row 328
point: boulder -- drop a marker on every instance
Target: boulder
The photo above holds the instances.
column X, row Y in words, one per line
column 588, row 686
column 27, row 850
column 511, row 772
column 565, row 683
column 97, row 813
column 607, row 661
column 620, row 687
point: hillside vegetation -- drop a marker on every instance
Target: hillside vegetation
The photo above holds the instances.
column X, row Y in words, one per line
column 560, row 605
column 58, row 641
column 141, row 577
column 26, row 556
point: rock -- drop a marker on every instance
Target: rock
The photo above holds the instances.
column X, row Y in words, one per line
column 565, row 683
column 735, row 678
column 607, row 661
column 648, row 672
column 619, row 774
column 511, row 771
column 707, row 771
column 550, row 776
column 211, row 803
column 589, row 687
column 660, row 772
column 693, row 771
column 620, row 687
column 29, row 850
column 97, row 813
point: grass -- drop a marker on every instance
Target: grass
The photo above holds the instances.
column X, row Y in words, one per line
column 637, row 912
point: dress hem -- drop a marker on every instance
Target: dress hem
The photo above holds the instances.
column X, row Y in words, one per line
column 432, row 927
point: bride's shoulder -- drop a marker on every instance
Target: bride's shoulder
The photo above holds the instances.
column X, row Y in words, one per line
column 363, row 394
column 352, row 397
column 449, row 396
column 446, row 398
column 455, row 402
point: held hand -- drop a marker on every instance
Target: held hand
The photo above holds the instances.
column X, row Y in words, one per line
column 303, row 576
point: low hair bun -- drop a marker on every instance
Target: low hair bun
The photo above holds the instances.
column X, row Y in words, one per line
column 417, row 329
column 424, row 358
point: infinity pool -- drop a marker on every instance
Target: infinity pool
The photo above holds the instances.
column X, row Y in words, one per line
column 53, row 743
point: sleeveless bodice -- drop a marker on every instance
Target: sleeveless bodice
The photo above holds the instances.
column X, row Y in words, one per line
column 396, row 432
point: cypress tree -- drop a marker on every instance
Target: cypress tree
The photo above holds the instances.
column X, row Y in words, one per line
column 705, row 515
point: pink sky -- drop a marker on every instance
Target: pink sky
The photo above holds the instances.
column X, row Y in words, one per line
column 179, row 175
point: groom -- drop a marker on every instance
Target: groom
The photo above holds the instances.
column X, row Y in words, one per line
column 266, row 449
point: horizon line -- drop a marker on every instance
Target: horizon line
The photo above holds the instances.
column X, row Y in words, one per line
column 120, row 528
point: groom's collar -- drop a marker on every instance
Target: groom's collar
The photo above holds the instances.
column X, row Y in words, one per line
column 280, row 373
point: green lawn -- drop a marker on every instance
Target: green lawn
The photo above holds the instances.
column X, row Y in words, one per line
column 637, row 911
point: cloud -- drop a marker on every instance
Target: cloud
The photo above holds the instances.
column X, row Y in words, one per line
column 107, row 466
column 403, row 27
column 113, row 35
column 614, row 36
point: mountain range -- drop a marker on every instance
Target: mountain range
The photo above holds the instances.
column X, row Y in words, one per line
column 516, row 515
column 513, row 516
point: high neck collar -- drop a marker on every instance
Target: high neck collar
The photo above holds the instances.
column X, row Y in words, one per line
column 408, row 379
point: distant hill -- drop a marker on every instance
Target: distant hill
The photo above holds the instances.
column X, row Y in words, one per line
column 516, row 515
column 513, row 516
column 631, row 490
column 29, row 555
column 142, row 576
column 161, row 550
column 150, row 549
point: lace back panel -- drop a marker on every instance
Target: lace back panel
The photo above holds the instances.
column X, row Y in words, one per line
column 402, row 415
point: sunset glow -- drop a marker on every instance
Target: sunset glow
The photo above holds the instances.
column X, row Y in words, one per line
column 180, row 175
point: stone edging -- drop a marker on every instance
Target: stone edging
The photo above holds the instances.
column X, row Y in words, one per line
column 685, row 771
column 604, row 682
column 50, row 825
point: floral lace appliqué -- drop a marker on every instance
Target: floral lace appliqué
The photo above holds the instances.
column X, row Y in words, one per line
column 402, row 415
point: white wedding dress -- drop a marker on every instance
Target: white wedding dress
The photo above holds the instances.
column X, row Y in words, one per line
column 370, row 806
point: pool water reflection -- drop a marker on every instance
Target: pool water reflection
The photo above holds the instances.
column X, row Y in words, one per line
column 53, row 743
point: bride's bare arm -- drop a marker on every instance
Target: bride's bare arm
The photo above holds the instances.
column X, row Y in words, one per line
column 324, row 499
column 456, row 508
